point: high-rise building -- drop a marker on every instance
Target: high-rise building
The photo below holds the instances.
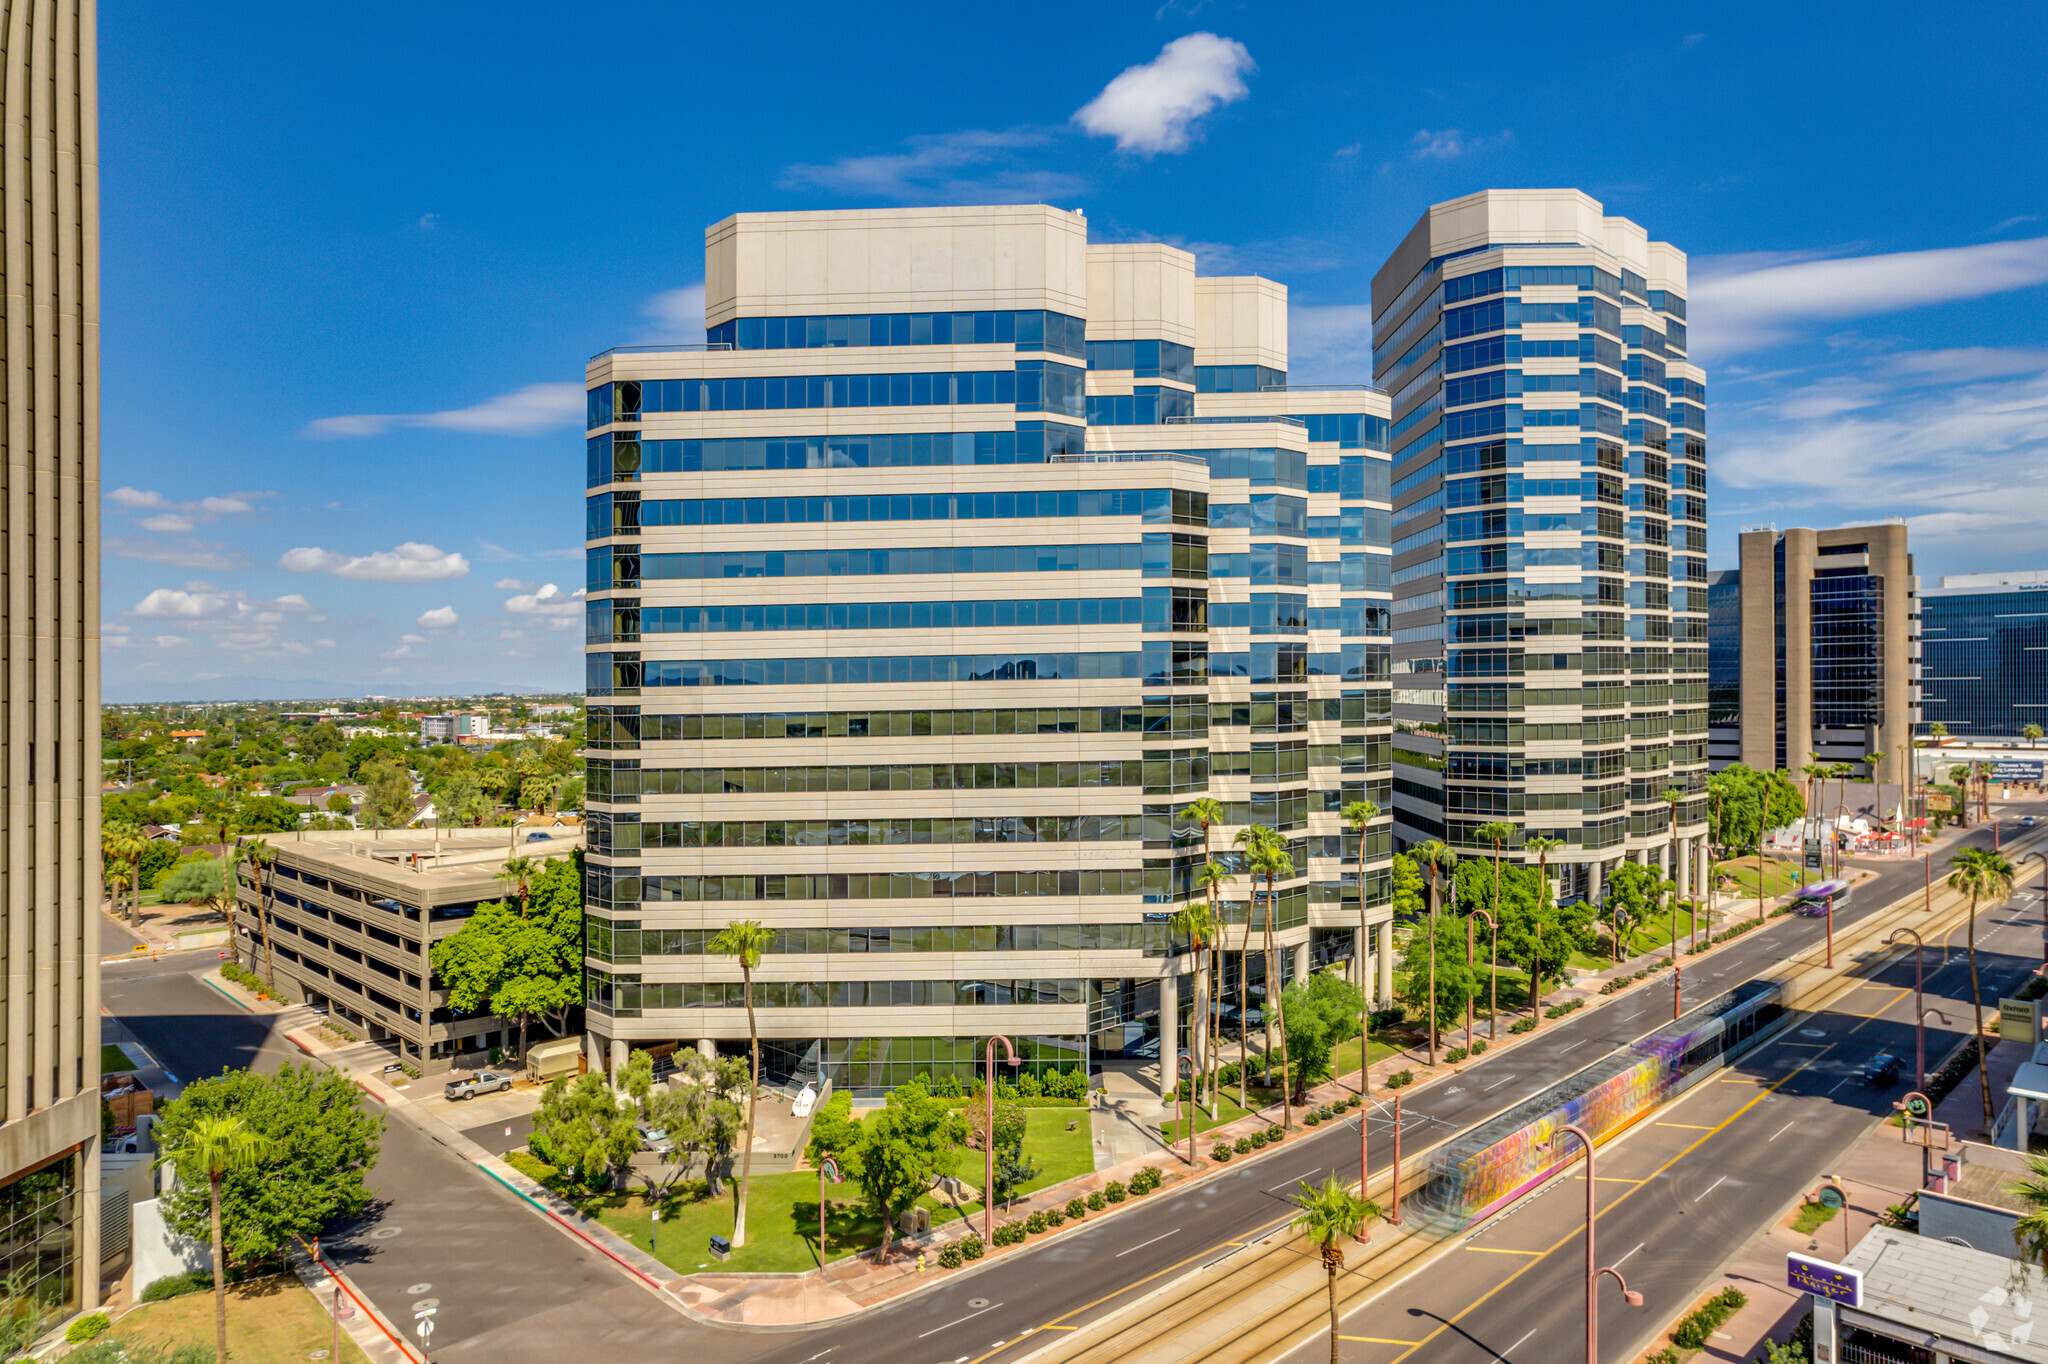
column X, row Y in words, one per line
column 1815, row 649
column 1549, row 533
column 50, row 678
column 1985, row 671
column 925, row 597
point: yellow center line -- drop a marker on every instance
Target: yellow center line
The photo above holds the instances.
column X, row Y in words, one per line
column 1059, row 1328
column 1688, row 1126
column 1575, row 1235
column 1379, row 1340
column 1872, row 1017
column 1497, row 1250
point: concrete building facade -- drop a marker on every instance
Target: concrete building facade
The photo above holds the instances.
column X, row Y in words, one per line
column 1549, row 536
column 1826, row 629
column 50, row 679
column 354, row 917
column 925, row 597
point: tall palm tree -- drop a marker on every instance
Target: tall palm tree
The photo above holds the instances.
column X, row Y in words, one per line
column 1980, row 874
column 125, row 843
column 1496, row 832
column 1329, row 1215
column 1543, row 848
column 2030, row 1232
column 518, row 873
column 261, row 857
column 1194, row 923
column 745, row 940
column 217, row 1145
column 1251, row 838
column 1358, row 814
column 1671, row 796
column 1272, row 861
column 1813, row 772
column 1212, row 877
column 1434, row 856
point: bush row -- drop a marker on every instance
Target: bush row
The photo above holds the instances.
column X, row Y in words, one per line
column 1070, row 1084
column 1560, row 1010
column 1401, row 1079
column 1699, row 1326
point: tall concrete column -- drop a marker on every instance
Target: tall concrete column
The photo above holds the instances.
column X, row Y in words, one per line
column 593, row 1052
column 1301, row 962
column 1169, row 1034
column 707, row 1049
column 1383, row 954
column 1593, row 881
column 621, row 1052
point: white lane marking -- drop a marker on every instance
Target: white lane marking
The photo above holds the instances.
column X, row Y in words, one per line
column 1839, row 1083
column 951, row 1324
column 1498, row 1083
column 1639, row 1246
column 1502, row 1357
column 1711, row 1187
column 1142, row 1244
column 1580, row 1043
column 1782, row 1131
column 1304, row 1178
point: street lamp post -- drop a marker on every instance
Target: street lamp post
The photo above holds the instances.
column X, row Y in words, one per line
column 1632, row 1298
column 1920, row 1010
column 1187, row 1072
column 1836, row 837
column 1493, row 984
column 2042, row 858
column 1394, row 1193
column 988, row 1143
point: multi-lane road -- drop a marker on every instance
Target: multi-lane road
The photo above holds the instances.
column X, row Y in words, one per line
column 511, row 1287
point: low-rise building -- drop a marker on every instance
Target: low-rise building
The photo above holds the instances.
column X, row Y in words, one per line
column 354, row 916
column 1901, row 1297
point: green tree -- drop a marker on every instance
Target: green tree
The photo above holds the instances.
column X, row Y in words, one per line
column 521, row 966
column 2031, row 733
column 1266, row 855
column 124, row 844
column 1410, row 898
column 1436, row 858
column 322, row 1140
column 2030, row 1232
column 192, row 881
column 699, row 1115
column 1320, row 1011
column 744, row 940
column 338, row 804
column 902, row 1148
column 463, row 802
column 1633, row 890
column 1538, row 934
column 1329, row 1215
column 1359, row 814
column 1212, row 877
column 389, row 802
column 1195, row 924
column 261, row 857
column 581, row 1127
column 1011, row 1167
column 266, row 815
column 518, row 873
column 1499, row 833
column 1980, row 874
column 367, row 748
column 209, row 1149
column 1438, row 984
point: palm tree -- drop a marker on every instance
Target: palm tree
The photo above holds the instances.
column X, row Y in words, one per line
column 116, row 877
column 125, row 843
column 1251, row 838
column 1329, row 1215
column 1543, row 848
column 261, row 857
column 1194, row 923
column 2031, row 733
column 1982, row 875
column 2030, row 1232
column 1433, row 856
column 1267, row 856
column 218, row 1145
column 1211, row 877
column 1671, row 796
column 745, row 940
column 1358, row 814
column 1813, row 772
column 518, row 873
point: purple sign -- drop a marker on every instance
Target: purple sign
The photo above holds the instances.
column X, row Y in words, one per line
column 1824, row 1280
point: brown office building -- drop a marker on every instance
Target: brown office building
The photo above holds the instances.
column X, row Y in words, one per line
column 49, row 661
column 1814, row 648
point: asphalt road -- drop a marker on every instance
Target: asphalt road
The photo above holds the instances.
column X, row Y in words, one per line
column 511, row 1287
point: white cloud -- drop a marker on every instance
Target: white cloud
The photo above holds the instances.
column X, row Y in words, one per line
column 1330, row 344
column 676, row 315
column 2017, row 220
column 171, row 641
column 410, row 562
column 135, row 498
column 194, row 605
column 548, row 601
column 412, row 639
column 937, row 169
column 210, row 555
column 402, row 651
column 1152, row 107
column 440, row 618
column 1450, row 144
column 528, row 411
column 1746, row 307
column 169, row 523
column 292, row 601
column 323, row 644
column 176, row 518
column 494, row 553
column 512, row 585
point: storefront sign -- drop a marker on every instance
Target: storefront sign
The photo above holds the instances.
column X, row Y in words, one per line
column 1824, row 1280
column 2016, row 771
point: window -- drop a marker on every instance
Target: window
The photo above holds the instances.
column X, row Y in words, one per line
column 1030, row 330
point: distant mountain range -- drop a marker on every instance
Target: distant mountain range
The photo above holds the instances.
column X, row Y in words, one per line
column 168, row 690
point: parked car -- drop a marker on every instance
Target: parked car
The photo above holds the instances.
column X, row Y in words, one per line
column 654, row 1139
column 483, row 1082
column 2027, row 822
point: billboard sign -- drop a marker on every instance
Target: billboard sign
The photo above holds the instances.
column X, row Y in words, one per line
column 2016, row 770
column 1824, row 1280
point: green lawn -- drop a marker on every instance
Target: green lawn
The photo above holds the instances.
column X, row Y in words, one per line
column 782, row 1210
column 1779, row 876
column 113, row 1060
column 1226, row 1111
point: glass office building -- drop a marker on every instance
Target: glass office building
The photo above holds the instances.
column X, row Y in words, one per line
column 1550, row 586
column 924, row 597
column 1984, row 660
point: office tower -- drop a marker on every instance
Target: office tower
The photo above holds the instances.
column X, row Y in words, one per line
column 1815, row 649
column 1985, row 643
column 1549, row 534
column 49, row 690
column 924, row 598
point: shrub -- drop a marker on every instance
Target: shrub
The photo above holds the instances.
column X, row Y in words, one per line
column 1221, row 1153
column 1478, row 1047
column 1096, row 1202
column 85, row 1328
column 1699, row 1326
column 1009, row 1233
column 951, row 1258
column 971, row 1247
column 1054, row 1217
column 1385, row 1018
column 1035, row 1223
column 1245, row 1146
column 1261, row 1137
column 1028, row 1086
column 176, row 1286
column 1146, row 1180
column 1276, row 1134
column 530, row 1165
column 1076, row 1209
column 1523, row 1025
column 1401, row 1079
column 1457, row 1054
column 1313, row 1119
column 1114, row 1191
column 1560, row 1010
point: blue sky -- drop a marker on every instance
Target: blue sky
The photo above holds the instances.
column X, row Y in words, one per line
column 354, row 259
